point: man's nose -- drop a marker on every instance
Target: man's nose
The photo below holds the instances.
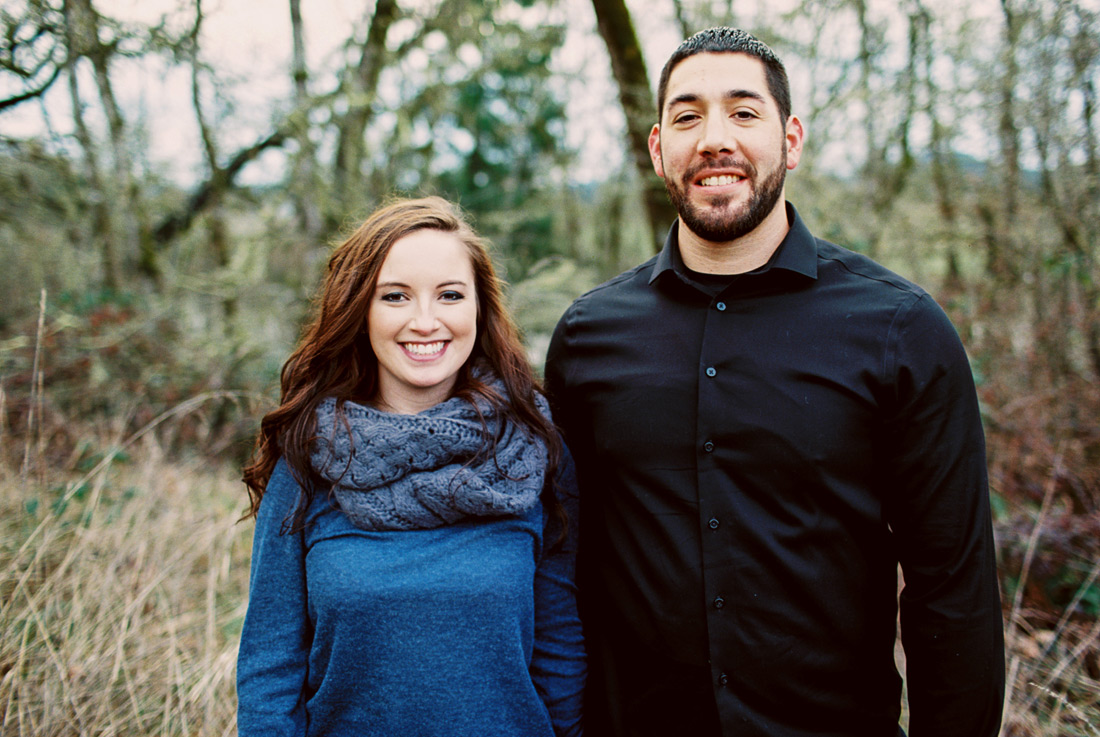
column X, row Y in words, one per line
column 718, row 136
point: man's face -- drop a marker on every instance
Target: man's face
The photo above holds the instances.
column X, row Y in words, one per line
column 721, row 147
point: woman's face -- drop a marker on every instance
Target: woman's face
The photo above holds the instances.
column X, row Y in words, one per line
column 422, row 320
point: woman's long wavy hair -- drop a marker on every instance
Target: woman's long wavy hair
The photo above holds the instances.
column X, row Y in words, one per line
column 334, row 357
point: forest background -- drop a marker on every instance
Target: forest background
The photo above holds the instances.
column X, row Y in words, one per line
column 173, row 176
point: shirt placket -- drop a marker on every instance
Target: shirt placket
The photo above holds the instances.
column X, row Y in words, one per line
column 715, row 527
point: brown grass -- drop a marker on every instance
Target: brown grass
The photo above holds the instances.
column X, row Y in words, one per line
column 123, row 597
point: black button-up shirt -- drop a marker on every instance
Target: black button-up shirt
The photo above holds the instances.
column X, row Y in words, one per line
column 755, row 460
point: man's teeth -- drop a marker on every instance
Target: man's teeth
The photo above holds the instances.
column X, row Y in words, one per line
column 719, row 181
column 424, row 349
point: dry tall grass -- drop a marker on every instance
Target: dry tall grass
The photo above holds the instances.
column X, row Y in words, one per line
column 122, row 598
column 123, row 591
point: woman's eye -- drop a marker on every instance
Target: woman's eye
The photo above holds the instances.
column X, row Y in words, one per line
column 392, row 297
column 451, row 296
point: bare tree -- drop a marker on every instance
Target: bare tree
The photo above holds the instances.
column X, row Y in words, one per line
column 134, row 230
column 103, row 230
column 942, row 159
column 889, row 159
column 1067, row 55
column 217, row 227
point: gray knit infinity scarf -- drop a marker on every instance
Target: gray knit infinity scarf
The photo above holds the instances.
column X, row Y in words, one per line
column 408, row 472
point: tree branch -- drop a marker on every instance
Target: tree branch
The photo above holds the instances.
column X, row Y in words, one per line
column 32, row 94
column 220, row 181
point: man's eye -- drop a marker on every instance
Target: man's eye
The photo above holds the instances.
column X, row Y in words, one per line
column 686, row 118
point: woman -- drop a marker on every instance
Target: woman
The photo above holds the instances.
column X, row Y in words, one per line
column 412, row 566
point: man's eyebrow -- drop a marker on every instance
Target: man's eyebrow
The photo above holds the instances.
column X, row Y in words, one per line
column 745, row 95
column 690, row 97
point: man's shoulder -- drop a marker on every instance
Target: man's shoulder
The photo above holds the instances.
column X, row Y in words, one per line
column 875, row 287
column 614, row 289
column 837, row 262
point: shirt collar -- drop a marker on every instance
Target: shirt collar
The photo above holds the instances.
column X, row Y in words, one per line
column 797, row 252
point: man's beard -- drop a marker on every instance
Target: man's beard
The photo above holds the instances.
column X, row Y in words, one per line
column 709, row 222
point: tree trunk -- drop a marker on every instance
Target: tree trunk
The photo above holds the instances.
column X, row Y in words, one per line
column 103, row 229
column 613, row 231
column 303, row 184
column 943, row 165
column 1001, row 262
column 681, row 18
column 217, row 227
column 636, row 97
column 1087, row 275
column 130, row 212
column 361, row 83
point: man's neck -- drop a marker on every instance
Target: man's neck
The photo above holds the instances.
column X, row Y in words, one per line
column 750, row 251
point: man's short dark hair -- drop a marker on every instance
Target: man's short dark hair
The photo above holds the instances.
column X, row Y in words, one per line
column 723, row 40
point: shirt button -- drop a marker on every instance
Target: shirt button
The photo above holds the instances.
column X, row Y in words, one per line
column 723, row 679
column 711, row 372
column 721, row 306
column 708, row 446
column 719, row 602
column 713, row 524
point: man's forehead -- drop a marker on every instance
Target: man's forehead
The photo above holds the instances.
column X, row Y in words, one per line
column 728, row 67
column 724, row 75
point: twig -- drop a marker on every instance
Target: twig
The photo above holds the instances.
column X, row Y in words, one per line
column 1064, row 620
column 1085, row 643
column 35, row 386
column 40, row 451
column 1061, row 698
column 3, row 414
column 1029, row 555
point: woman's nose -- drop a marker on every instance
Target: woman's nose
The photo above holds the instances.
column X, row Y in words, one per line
column 424, row 321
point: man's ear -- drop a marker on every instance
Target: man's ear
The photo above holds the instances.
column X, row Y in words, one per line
column 795, row 135
column 655, row 151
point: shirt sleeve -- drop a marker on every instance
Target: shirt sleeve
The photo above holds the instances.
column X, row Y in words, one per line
column 272, row 662
column 558, row 661
column 556, row 375
column 939, row 511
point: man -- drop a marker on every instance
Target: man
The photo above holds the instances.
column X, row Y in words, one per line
column 765, row 425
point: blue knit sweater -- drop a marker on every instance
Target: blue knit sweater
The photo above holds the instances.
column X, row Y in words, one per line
column 466, row 629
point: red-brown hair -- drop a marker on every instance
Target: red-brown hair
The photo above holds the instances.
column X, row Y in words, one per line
column 334, row 357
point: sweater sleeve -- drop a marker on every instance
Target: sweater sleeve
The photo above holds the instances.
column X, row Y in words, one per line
column 558, row 662
column 272, row 663
column 950, row 606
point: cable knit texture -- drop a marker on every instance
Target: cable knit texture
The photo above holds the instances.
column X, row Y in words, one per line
column 406, row 472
